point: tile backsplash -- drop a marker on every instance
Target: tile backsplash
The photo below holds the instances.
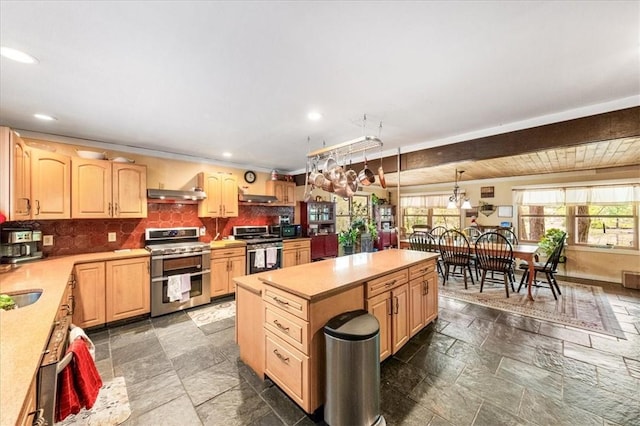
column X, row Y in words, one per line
column 75, row 236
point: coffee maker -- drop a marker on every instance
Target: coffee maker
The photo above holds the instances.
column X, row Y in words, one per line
column 19, row 245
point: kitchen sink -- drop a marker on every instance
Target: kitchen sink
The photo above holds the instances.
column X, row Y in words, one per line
column 25, row 297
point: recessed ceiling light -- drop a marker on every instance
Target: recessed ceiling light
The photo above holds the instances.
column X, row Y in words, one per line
column 226, row 154
column 44, row 117
column 17, row 55
column 314, row 116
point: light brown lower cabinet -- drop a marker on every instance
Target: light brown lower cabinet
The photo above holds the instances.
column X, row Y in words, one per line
column 294, row 340
column 388, row 300
column 296, row 253
column 226, row 264
column 423, row 289
column 110, row 291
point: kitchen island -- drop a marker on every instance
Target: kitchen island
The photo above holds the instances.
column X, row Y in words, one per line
column 281, row 314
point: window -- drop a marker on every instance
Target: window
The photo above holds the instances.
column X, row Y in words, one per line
column 534, row 221
column 602, row 215
column 428, row 210
column 351, row 209
column 602, row 225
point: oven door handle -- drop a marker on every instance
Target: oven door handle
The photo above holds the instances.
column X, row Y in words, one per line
column 175, row 256
column 194, row 274
column 253, row 251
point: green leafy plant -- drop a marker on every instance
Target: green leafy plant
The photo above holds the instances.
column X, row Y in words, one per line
column 550, row 240
column 373, row 230
column 348, row 237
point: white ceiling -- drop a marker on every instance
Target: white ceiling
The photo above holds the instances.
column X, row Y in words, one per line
column 200, row 78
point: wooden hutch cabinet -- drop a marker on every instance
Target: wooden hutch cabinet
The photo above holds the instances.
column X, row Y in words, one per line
column 318, row 220
column 384, row 216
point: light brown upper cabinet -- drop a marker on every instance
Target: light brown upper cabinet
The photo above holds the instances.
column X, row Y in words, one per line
column 50, row 185
column 20, row 187
column 222, row 195
column 102, row 189
column 283, row 191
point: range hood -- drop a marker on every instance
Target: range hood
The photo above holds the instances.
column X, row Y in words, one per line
column 252, row 198
column 170, row 194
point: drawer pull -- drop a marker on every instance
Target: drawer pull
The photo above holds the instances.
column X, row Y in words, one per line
column 390, row 283
column 280, row 301
column 282, row 358
column 280, row 326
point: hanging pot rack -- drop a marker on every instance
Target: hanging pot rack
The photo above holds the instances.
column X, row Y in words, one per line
column 347, row 148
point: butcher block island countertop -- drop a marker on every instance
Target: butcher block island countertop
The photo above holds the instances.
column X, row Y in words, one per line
column 280, row 314
column 25, row 331
column 317, row 280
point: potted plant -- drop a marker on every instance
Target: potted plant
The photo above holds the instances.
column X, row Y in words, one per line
column 347, row 239
column 550, row 240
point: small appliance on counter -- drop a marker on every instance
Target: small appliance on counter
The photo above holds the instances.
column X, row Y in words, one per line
column 286, row 229
column 19, row 245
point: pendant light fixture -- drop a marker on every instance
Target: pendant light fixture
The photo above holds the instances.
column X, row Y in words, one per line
column 454, row 200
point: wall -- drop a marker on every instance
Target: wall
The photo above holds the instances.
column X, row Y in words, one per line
column 582, row 262
column 90, row 235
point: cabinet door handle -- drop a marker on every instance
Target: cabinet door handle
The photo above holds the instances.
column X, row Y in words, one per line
column 282, row 302
column 282, row 358
column 397, row 305
column 110, row 210
column 37, row 207
column 280, row 326
column 424, row 288
column 115, row 210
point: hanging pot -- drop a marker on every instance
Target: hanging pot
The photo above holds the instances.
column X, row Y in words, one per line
column 329, row 165
column 366, row 176
column 327, row 185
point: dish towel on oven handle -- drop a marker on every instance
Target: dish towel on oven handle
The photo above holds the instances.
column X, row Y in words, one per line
column 79, row 382
column 174, row 288
column 258, row 260
column 75, row 332
column 272, row 256
column 185, row 287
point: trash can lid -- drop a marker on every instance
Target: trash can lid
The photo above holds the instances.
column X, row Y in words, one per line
column 353, row 325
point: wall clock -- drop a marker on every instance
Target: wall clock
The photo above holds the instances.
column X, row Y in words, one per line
column 249, row 176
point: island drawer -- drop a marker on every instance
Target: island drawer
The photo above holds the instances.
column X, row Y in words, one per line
column 287, row 302
column 292, row 245
column 387, row 282
column 228, row 252
column 288, row 327
column 422, row 269
column 287, row 367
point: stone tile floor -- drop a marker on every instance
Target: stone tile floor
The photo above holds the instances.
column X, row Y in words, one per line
column 473, row 366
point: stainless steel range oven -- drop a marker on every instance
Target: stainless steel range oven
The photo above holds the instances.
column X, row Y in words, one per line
column 176, row 253
column 264, row 250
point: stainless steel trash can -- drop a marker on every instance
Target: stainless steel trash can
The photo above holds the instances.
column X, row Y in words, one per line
column 352, row 391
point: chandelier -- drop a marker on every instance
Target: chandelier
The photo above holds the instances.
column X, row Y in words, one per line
column 456, row 198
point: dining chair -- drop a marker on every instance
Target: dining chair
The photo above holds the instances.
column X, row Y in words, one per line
column 437, row 232
column 422, row 241
column 513, row 239
column 455, row 251
column 494, row 253
column 472, row 233
column 509, row 235
column 549, row 268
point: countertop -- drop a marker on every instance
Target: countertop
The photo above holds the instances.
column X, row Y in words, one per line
column 25, row 331
column 317, row 280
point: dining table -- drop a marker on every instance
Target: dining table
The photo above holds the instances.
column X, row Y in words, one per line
column 523, row 252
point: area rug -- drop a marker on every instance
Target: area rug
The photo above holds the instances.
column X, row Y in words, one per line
column 580, row 306
column 111, row 407
column 213, row 313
